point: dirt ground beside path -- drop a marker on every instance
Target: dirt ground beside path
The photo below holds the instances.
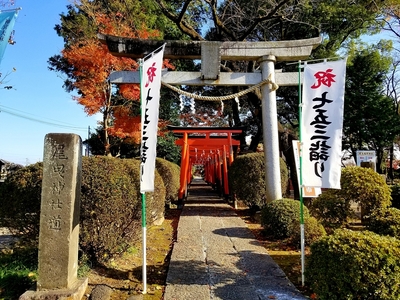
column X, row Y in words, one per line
column 124, row 275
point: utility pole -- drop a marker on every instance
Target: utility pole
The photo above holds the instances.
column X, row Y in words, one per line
column 88, row 145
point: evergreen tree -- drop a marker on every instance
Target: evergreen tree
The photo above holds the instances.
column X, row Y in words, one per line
column 370, row 120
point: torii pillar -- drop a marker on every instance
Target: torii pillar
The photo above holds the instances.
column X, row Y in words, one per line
column 211, row 54
column 270, row 131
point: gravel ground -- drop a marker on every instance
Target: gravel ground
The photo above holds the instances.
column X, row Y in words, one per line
column 7, row 240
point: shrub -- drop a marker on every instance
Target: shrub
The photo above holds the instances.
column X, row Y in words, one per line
column 110, row 213
column 395, row 193
column 365, row 186
column 111, row 206
column 313, row 231
column 170, row 174
column 360, row 185
column 354, row 265
column 278, row 217
column 246, row 178
column 331, row 209
column 20, row 197
column 155, row 201
column 385, row 221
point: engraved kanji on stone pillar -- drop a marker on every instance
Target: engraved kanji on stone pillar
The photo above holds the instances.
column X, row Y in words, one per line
column 59, row 214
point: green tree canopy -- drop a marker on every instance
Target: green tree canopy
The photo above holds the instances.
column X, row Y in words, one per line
column 370, row 120
column 263, row 20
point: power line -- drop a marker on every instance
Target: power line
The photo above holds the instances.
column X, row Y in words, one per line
column 23, row 115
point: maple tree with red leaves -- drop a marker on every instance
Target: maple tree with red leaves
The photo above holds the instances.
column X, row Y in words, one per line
column 92, row 65
column 88, row 64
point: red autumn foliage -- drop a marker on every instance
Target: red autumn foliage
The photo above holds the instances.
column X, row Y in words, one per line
column 92, row 64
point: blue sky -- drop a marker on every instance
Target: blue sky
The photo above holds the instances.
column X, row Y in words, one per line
column 37, row 92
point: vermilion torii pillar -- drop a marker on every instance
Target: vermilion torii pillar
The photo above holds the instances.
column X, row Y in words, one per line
column 211, row 54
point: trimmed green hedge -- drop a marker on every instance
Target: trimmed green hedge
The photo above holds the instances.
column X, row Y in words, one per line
column 110, row 208
column 385, row 221
column 313, row 231
column 360, row 185
column 332, row 209
column 170, row 173
column 280, row 217
column 365, row 186
column 354, row 265
column 247, row 179
column 20, row 197
column 110, row 205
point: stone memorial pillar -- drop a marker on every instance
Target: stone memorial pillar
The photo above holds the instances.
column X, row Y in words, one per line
column 59, row 220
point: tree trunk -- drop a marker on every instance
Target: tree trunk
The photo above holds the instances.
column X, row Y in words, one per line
column 237, row 122
column 379, row 159
column 106, row 119
column 256, row 103
column 390, row 172
column 285, row 143
column 107, row 151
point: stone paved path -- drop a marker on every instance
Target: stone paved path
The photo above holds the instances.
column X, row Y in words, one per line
column 217, row 257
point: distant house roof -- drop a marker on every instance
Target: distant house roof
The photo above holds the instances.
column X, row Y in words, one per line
column 11, row 164
column 6, row 168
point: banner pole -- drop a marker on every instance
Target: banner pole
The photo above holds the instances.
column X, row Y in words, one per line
column 149, row 89
column 144, row 229
column 302, row 238
column 144, row 244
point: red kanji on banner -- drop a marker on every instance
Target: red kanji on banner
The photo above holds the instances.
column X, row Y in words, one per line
column 151, row 73
column 324, row 78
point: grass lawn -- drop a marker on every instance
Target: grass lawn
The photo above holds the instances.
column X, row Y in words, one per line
column 17, row 272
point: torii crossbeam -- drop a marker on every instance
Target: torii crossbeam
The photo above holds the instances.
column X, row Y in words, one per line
column 211, row 54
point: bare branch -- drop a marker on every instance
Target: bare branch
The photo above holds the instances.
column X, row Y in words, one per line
column 217, row 21
column 269, row 16
column 179, row 21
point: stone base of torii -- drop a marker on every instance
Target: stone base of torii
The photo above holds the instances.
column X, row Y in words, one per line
column 211, row 54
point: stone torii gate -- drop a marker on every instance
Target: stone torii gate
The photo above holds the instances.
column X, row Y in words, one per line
column 211, row 54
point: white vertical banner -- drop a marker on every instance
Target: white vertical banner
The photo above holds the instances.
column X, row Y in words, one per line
column 150, row 85
column 322, row 122
column 309, row 192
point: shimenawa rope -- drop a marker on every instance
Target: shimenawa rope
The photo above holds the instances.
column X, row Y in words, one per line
column 274, row 87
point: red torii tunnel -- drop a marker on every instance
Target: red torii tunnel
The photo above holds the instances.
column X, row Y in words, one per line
column 211, row 147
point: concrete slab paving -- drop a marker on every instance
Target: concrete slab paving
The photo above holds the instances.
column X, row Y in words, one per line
column 217, row 257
